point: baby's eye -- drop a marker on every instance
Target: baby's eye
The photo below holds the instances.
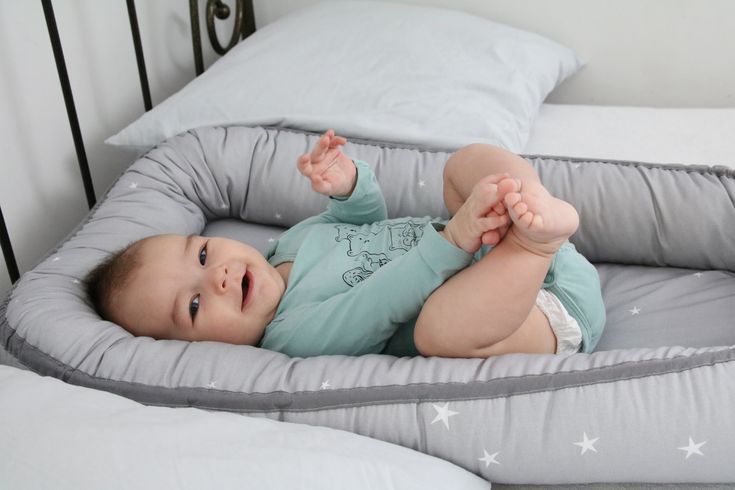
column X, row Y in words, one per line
column 194, row 307
column 203, row 255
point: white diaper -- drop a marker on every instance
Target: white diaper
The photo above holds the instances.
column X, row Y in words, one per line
column 565, row 327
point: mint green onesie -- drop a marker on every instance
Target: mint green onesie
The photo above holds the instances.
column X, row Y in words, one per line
column 357, row 277
column 359, row 280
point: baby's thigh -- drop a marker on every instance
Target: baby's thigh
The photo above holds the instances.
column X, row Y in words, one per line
column 534, row 336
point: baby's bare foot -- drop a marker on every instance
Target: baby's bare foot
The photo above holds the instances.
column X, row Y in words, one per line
column 482, row 218
column 541, row 222
column 507, row 184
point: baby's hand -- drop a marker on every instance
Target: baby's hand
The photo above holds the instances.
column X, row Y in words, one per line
column 483, row 217
column 330, row 171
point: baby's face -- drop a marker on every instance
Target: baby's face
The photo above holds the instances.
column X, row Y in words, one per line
column 200, row 288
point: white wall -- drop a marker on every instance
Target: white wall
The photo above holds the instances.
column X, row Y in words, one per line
column 641, row 52
column 41, row 193
column 657, row 53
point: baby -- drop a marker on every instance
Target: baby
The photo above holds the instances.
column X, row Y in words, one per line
column 498, row 277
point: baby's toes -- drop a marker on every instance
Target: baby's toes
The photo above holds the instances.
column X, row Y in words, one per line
column 511, row 199
column 518, row 208
column 525, row 219
column 508, row 185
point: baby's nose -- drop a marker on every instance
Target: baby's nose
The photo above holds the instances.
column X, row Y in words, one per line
column 222, row 277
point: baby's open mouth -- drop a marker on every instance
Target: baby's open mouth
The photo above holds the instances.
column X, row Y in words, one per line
column 246, row 280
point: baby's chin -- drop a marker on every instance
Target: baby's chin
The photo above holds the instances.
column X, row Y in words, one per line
column 251, row 338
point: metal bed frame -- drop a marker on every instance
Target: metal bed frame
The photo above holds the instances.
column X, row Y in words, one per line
column 215, row 10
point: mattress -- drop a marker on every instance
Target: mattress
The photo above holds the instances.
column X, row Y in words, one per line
column 691, row 136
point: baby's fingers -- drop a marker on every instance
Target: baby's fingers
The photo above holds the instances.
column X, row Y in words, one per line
column 492, row 222
column 337, row 141
column 321, row 147
column 304, row 164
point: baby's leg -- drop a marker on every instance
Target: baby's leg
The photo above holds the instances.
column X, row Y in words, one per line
column 470, row 164
column 489, row 308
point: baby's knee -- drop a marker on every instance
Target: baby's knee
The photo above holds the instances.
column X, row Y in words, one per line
column 424, row 335
column 433, row 338
column 473, row 156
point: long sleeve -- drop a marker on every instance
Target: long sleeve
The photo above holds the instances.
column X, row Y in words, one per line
column 362, row 319
column 365, row 205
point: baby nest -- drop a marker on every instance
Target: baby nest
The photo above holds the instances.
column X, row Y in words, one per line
column 652, row 404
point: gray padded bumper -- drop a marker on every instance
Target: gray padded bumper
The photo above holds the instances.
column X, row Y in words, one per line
column 654, row 409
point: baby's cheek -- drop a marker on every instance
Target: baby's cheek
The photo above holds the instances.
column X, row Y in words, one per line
column 214, row 320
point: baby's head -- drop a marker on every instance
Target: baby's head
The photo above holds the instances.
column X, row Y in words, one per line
column 188, row 288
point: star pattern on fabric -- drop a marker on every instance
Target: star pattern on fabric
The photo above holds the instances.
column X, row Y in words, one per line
column 635, row 311
column 223, row 205
column 326, row 385
column 75, row 281
column 692, row 448
column 56, row 259
column 212, row 384
column 422, row 183
column 489, row 458
column 443, row 413
column 586, row 443
column 133, row 185
column 698, row 274
column 278, row 216
column 271, row 240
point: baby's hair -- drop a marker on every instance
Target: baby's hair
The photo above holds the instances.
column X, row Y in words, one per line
column 110, row 276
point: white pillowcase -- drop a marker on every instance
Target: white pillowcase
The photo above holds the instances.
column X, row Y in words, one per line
column 374, row 70
column 91, row 439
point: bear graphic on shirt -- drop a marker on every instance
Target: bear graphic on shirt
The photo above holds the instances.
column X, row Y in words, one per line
column 368, row 246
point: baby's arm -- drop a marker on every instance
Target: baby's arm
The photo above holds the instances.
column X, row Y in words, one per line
column 355, row 196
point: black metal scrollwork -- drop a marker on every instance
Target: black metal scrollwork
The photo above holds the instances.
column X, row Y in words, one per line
column 218, row 10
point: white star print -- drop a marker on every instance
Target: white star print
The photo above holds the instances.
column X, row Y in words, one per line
column 223, row 206
column 586, row 443
column 271, row 240
column 692, row 448
column 443, row 414
column 212, row 384
column 489, row 458
column 698, row 274
column 576, row 165
column 635, row 311
column 75, row 281
column 421, row 183
column 278, row 215
column 55, row 259
column 133, row 185
column 326, row 385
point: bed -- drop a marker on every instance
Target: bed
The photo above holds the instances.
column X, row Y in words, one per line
column 662, row 368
